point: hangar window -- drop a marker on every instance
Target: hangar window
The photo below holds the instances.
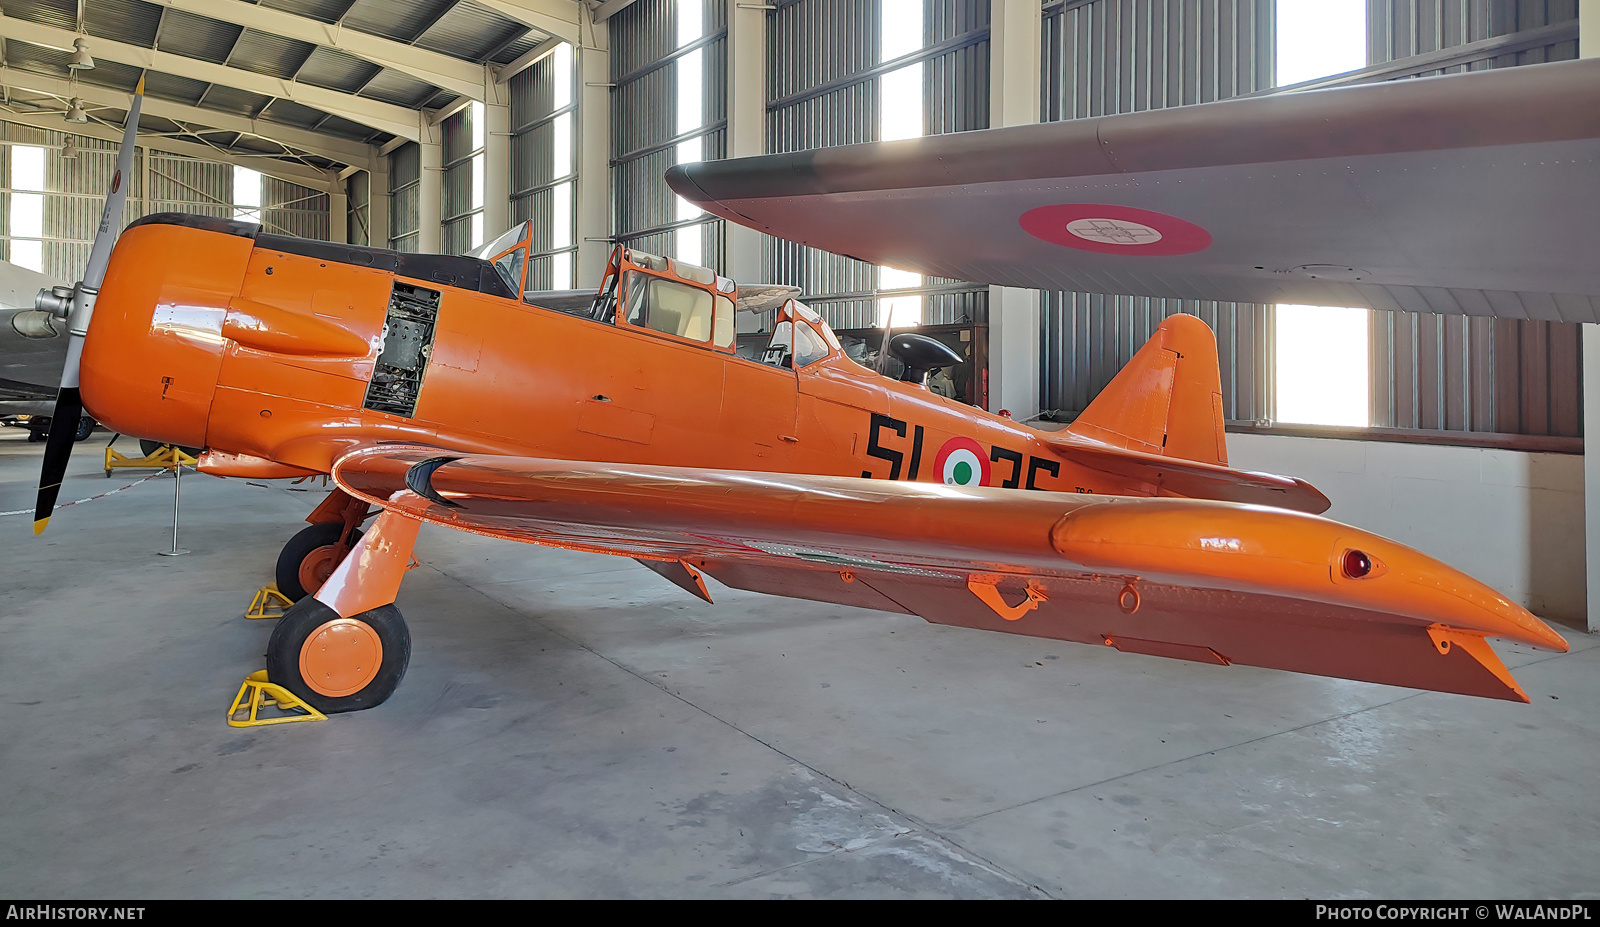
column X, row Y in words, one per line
column 247, row 194
column 26, row 221
column 1317, row 38
column 1323, row 365
column 900, row 116
column 1321, row 356
column 688, row 243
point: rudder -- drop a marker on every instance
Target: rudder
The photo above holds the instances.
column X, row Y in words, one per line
column 1167, row 400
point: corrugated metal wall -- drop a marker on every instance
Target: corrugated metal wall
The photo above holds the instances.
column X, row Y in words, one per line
column 822, row 88
column 77, row 188
column 1402, row 28
column 533, row 177
column 1429, row 372
column 1124, row 56
column 405, row 186
column 644, row 121
column 1470, row 374
column 1118, row 56
column 291, row 209
column 358, row 225
column 456, row 208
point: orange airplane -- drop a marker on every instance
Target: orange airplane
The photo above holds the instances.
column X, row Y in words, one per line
column 433, row 392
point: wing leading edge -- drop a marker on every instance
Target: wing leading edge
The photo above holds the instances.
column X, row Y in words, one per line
column 1469, row 193
column 1209, row 581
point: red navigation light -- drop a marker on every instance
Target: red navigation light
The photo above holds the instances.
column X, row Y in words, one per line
column 1356, row 564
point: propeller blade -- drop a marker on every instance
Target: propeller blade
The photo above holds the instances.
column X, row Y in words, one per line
column 69, row 405
column 57, row 449
column 111, row 217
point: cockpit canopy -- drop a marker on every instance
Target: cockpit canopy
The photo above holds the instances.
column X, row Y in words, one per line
column 509, row 254
column 669, row 297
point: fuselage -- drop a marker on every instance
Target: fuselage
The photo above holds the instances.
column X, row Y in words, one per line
column 264, row 350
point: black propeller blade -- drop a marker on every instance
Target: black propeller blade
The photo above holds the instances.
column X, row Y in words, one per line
column 57, row 449
column 78, row 309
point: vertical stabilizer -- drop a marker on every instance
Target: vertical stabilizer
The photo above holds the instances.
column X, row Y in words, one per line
column 1167, row 400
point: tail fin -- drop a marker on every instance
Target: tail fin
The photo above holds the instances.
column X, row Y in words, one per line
column 1167, row 400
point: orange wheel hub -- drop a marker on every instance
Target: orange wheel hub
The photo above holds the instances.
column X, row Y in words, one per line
column 318, row 566
column 341, row 657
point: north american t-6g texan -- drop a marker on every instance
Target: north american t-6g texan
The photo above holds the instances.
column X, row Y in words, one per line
column 436, row 389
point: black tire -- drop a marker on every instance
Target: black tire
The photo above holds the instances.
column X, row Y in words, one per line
column 38, row 428
column 85, row 428
column 301, row 546
column 301, row 621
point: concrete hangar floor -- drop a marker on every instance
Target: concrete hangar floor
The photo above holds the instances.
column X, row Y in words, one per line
column 574, row 726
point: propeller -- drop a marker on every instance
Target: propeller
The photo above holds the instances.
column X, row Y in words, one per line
column 77, row 307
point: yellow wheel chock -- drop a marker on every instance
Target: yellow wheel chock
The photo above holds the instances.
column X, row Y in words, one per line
column 268, row 602
column 167, row 458
column 256, row 693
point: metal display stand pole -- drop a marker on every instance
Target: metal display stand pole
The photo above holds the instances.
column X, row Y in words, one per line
column 177, row 484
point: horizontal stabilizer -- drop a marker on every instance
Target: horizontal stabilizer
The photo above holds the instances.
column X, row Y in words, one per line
column 1190, row 478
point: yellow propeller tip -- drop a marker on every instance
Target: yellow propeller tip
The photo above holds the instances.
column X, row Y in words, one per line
column 139, row 90
column 40, row 524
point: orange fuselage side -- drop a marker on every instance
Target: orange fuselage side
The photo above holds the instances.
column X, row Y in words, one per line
column 204, row 338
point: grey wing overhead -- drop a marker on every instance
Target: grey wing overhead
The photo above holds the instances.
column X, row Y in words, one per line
column 1471, row 193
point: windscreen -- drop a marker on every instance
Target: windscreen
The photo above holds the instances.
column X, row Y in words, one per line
column 519, row 232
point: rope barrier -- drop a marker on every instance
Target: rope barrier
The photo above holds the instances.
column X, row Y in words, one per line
column 91, row 498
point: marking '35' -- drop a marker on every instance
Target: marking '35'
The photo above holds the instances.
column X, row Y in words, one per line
column 961, row 461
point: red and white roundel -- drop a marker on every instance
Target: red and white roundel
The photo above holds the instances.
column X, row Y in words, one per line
column 1114, row 229
column 962, row 462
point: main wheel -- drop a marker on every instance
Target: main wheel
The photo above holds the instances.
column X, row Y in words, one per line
column 339, row 664
column 310, row 558
column 85, row 428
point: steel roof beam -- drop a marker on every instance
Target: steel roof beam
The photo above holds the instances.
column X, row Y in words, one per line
column 385, row 117
column 560, row 18
column 452, row 74
column 303, row 174
column 527, row 59
column 610, row 8
column 334, row 149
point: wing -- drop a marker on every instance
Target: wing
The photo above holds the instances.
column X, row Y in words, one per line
column 1208, row 581
column 1471, row 193
column 30, row 356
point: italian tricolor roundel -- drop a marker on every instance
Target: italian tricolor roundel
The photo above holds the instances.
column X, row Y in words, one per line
column 963, row 463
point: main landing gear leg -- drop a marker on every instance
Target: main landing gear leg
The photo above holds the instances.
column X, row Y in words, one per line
column 346, row 648
column 310, row 557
